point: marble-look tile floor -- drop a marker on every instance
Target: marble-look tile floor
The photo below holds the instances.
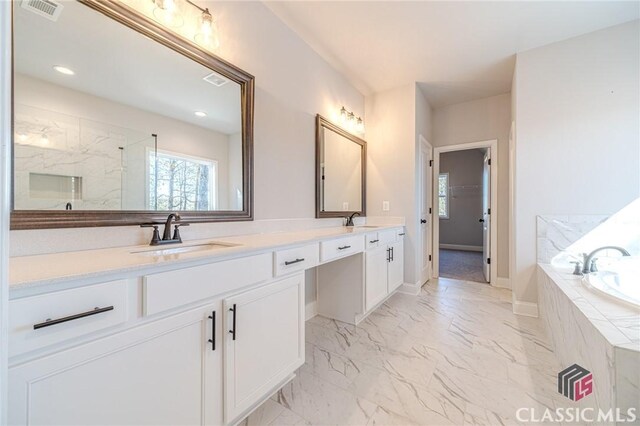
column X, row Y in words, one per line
column 454, row 354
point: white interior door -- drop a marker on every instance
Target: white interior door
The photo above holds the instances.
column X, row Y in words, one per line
column 426, row 183
column 486, row 221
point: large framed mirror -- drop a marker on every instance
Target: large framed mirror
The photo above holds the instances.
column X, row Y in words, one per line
column 118, row 121
column 340, row 171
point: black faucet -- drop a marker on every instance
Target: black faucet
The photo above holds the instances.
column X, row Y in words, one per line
column 350, row 219
column 167, row 238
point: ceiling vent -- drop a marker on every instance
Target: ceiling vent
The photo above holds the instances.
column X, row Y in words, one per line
column 216, row 79
column 46, row 8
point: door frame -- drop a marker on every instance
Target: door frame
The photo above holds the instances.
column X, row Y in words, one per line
column 492, row 144
column 424, row 143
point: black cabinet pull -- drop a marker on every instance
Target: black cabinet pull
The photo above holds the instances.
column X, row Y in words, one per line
column 392, row 254
column 50, row 322
column 401, row 234
column 291, row 262
column 344, row 247
column 373, row 241
column 388, row 255
column 212, row 317
column 424, row 220
column 233, row 330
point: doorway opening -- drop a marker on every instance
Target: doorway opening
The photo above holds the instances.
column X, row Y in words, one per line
column 465, row 214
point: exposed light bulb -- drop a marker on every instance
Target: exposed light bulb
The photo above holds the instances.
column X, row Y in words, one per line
column 167, row 11
column 343, row 114
column 360, row 125
column 200, row 113
column 208, row 35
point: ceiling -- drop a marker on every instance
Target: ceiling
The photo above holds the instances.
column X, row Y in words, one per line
column 114, row 62
column 456, row 50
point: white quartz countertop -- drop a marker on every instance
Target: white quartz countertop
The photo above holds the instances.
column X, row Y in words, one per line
column 30, row 275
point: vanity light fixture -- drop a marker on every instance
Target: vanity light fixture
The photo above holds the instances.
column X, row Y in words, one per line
column 208, row 35
column 350, row 121
column 200, row 114
column 63, row 70
column 167, row 12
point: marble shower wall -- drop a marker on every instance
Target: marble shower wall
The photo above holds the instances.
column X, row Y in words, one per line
column 101, row 155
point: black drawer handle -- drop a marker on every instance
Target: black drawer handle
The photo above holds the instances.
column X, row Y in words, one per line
column 344, row 247
column 50, row 322
column 373, row 241
column 291, row 262
column 212, row 317
column 401, row 234
column 233, row 330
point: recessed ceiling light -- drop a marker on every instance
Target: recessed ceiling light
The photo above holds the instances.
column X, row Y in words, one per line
column 200, row 113
column 63, row 70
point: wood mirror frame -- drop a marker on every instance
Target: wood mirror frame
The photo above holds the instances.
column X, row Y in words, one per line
column 113, row 9
column 323, row 123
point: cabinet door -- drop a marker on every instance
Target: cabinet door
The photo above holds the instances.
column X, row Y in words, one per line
column 376, row 261
column 162, row 373
column 396, row 266
column 264, row 344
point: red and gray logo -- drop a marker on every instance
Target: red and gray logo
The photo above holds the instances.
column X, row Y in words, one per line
column 575, row 382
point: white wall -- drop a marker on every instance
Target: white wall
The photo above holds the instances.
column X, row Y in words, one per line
column 465, row 204
column 481, row 120
column 394, row 119
column 293, row 84
column 5, row 179
column 577, row 134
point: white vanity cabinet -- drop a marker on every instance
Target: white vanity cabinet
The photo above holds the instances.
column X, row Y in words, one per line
column 264, row 342
column 384, row 266
column 163, row 373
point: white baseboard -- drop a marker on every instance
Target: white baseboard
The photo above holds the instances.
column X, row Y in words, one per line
column 503, row 282
column 411, row 289
column 525, row 308
column 460, row 247
column 310, row 310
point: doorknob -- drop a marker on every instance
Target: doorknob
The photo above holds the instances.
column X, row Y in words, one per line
column 481, row 220
column 423, row 220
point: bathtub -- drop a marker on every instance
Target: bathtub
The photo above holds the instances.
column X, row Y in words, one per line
column 619, row 280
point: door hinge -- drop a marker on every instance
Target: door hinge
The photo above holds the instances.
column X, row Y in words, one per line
column 430, row 163
column 429, row 258
column 488, row 261
column 488, row 211
column 489, row 162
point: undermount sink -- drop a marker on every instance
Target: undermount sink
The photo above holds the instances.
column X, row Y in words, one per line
column 183, row 249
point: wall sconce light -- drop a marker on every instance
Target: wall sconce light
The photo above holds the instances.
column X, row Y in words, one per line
column 350, row 120
column 167, row 11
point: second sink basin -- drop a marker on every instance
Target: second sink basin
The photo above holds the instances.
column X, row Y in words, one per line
column 183, row 249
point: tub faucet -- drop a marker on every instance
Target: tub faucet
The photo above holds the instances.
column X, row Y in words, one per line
column 586, row 267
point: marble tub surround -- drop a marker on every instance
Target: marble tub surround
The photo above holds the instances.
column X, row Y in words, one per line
column 456, row 354
column 596, row 332
column 29, row 275
column 561, row 238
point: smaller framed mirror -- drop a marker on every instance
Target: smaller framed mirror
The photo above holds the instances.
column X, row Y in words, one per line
column 340, row 171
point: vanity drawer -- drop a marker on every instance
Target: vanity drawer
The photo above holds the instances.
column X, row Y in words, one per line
column 39, row 321
column 371, row 240
column 171, row 289
column 296, row 259
column 341, row 247
column 389, row 236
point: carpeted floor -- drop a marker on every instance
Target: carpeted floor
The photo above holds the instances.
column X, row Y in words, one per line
column 461, row 265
